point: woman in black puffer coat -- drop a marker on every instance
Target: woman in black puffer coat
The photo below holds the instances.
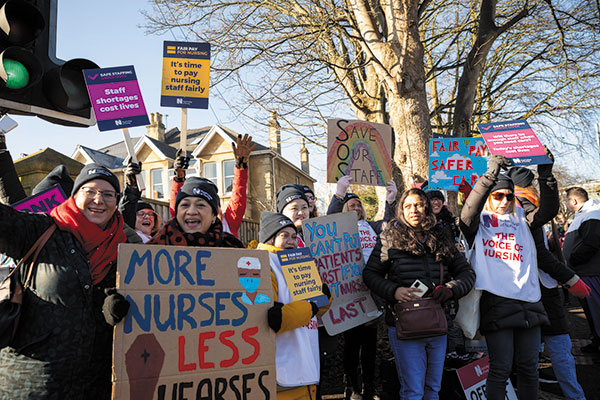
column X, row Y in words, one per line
column 412, row 247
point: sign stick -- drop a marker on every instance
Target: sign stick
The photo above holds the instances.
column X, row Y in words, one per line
column 131, row 152
column 183, row 133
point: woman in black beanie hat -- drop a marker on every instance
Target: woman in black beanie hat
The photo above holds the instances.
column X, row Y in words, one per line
column 295, row 322
column 504, row 260
column 444, row 217
column 62, row 345
column 196, row 222
column 292, row 202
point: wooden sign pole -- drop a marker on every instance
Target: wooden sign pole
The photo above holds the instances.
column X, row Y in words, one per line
column 131, row 152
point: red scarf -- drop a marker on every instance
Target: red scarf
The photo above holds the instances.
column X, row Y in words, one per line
column 100, row 245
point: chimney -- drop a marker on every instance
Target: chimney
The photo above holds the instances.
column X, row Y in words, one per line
column 156, row 129
column 304, row 158
column 274, row 133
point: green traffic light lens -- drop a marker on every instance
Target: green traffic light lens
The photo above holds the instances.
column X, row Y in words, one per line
column 18, row 76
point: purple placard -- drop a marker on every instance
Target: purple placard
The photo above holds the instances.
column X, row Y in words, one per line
column 116, row 97
column 514, row 140
column 42, row 202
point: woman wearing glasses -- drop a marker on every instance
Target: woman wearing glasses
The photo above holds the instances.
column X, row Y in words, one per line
column 506, row 267
column 62, row 347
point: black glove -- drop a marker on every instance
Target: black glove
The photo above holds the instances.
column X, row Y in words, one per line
column 131, row 171
column 326, row 291
column 274, row 316
column 182, row 161
column 545, row 170
column 115, row 307
column 315, row 308
column 441, row 294
column 495, row 163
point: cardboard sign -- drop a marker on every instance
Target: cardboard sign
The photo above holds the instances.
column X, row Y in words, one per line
column 302, row 276
column 185, row 75
column 116, row 97
column 197, row 325
column 453, row 161
column 360, row 149
column 473, row 377
column 42, row 202
column 334, row 243
column 514, row 140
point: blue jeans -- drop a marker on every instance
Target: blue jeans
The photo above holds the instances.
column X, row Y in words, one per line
column 559, row 349
column 420, row 364
column 518, row 345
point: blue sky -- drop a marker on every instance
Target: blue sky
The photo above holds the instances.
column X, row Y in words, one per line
column 108, row 33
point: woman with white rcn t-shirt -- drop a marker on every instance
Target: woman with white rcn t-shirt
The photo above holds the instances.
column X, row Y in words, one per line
column 507, row 274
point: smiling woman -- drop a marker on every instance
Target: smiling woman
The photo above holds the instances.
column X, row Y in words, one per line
column 196, row 222
column 62, row 346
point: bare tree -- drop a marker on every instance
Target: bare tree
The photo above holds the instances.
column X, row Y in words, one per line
column 421, row 66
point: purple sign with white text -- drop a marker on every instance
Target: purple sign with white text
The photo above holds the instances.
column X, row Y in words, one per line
column 514, row 140
column 42, row 202
column 116, row 97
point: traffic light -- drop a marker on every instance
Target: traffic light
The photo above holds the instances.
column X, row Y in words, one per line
column 32, row 80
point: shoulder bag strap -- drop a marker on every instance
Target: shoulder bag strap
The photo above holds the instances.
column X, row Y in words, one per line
column 441, row 274
column 37, row 247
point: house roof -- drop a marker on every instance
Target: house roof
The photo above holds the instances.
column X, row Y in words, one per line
column 167, row 150
column 102, row 157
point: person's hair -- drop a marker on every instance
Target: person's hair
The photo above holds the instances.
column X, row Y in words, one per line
column 530, row 193
column 401, row 235
column 579, row 193
column 314, row 213
column 364, row 212
column 489, row 207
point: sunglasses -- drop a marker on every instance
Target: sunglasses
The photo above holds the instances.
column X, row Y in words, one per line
column 498, row 196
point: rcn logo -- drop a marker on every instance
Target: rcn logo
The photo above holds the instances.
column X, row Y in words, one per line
column 118, row 122
column 179, row 101
column 478, row 370
column 490, row 220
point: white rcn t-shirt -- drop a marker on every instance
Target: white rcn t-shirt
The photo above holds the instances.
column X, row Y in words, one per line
column 505, row 257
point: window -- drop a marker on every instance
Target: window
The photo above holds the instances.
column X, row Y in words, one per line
column 209, row 171
column 157, row 184
column 228, row 175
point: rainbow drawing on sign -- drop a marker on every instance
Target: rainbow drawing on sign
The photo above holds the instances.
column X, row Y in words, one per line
column 359, row 149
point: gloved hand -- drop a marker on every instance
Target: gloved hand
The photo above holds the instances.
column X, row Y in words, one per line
column 115, row 307
column 326, row 291
column 495, row 163
column 441, row 294
column 342, row 186
column 242, row 149
column 274, row 316
column 465, row 189
column 131, row 170
column 545, row 170
column 315, row 308
column 580, row 289
column 391, row 191
column 182, row 162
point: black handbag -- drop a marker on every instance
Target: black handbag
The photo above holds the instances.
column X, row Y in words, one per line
column 420, row 318
column 11, row 291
